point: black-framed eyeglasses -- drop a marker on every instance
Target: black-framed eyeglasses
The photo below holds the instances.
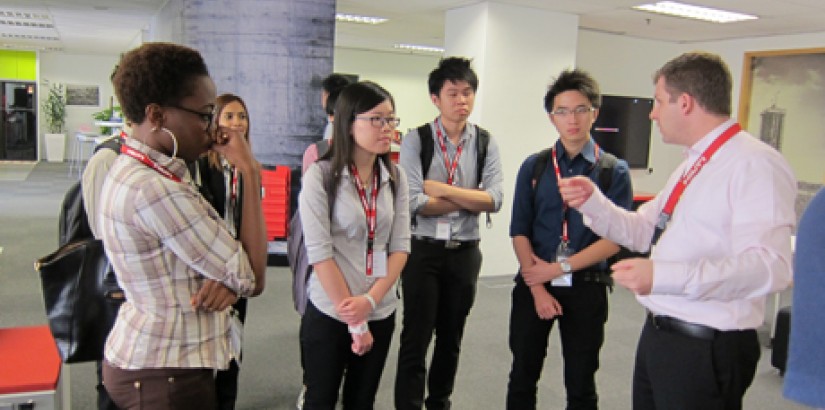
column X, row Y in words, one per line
column 580, row 110
column 380, row 122
column 204, row 116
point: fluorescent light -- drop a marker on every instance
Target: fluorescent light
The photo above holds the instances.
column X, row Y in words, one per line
column 24, row 23
column 673, row 8
column 352, row 18
column 417, row 47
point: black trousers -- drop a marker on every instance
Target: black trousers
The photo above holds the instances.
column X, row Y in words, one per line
column 438, row 289
column 584, row 313
column 326, row 344
column 674, row 371
column 226, row 381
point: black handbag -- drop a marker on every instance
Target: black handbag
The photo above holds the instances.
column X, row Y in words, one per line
column 81, row 297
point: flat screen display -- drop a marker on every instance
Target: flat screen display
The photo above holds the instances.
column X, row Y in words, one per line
column 623, row 128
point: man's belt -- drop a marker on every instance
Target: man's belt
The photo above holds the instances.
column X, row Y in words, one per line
column 672, row 324
column 446, row 244
column 593, row 276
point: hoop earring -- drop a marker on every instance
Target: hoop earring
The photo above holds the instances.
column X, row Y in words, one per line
column 174, row 144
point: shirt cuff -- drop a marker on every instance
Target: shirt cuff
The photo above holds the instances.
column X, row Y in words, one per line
column 591, row 209
column 668, row 278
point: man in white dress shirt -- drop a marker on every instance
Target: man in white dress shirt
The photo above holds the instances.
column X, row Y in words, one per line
column 716, row 250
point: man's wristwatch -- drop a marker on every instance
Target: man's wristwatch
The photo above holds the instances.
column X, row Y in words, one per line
column 565, row 267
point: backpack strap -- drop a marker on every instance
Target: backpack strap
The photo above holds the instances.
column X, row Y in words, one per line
column 113, row 143
column 482, row 143
column 607, row 162
column 541, row 164
column 425, row 133
column 322, row 147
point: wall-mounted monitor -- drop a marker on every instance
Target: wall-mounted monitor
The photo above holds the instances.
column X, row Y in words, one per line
column 623, row 128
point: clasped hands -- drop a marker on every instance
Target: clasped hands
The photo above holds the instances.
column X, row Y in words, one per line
column 354, row 310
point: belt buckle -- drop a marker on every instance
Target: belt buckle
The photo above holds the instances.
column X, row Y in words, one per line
column 452, row 244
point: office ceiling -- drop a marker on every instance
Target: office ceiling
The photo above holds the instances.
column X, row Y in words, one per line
column 110, row 26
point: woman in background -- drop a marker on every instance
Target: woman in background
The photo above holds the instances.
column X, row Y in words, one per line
column 357, row 250
column 219, row 183
column 178, row 265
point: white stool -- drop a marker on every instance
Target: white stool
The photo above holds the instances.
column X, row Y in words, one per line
column 79, row 154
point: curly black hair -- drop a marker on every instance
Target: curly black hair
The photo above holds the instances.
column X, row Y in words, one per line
column 159, row 73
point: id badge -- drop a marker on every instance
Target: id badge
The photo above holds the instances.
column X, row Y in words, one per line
column 379, row 264
column 565, row 280
column 442, row 229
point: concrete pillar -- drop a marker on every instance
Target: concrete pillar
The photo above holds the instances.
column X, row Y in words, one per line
column 516, row 52
column 272, row 53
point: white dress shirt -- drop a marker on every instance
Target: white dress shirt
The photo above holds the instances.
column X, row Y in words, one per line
column 728, row 244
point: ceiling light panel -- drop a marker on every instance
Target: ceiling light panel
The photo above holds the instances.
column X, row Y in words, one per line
column 417, row 47
column 354, row 18
column 672, row 8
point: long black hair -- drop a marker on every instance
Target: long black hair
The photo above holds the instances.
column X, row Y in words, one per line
column 354, row 99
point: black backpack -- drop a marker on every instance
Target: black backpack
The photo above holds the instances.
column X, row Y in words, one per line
column 296, row 251
column 73, row 221
column 425, row 133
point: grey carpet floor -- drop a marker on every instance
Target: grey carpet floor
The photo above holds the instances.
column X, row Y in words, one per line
column 270, row 374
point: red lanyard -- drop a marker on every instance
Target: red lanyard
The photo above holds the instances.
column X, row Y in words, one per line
column 125, row 149
column 687, row 178
column 451, row 167
column 564, row 237
column 370, row 209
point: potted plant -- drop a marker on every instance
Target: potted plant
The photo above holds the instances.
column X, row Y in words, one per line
column 54, row 108
column 108, row 114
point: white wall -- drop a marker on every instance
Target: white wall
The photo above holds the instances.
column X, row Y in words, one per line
column 620, row 67
column 80, row 69
column 403, row 75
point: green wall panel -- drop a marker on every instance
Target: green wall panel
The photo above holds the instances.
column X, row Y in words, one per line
column 18, row 65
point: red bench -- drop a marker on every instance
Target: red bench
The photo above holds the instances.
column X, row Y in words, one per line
column 29, row 368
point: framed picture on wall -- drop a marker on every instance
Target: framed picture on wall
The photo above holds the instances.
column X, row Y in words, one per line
column 782, row 102
column 84, row 95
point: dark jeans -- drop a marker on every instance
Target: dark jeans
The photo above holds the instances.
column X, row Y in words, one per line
column 327, row 343
column 674, row 371
column 438, row 289
column 160, row 389
column 584, row 313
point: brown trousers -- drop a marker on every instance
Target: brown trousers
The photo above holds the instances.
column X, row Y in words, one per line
column 160, row 389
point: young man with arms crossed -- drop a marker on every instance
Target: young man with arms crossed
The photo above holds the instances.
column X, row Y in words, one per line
column 551, row 243
column 719, row 235
column 438, row 282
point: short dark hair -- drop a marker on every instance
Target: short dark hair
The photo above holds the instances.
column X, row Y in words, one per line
column 159, row 73
column 703, row 76
column 355, row 99
column 573, row 80
column 454, row 69
column 333, row 85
